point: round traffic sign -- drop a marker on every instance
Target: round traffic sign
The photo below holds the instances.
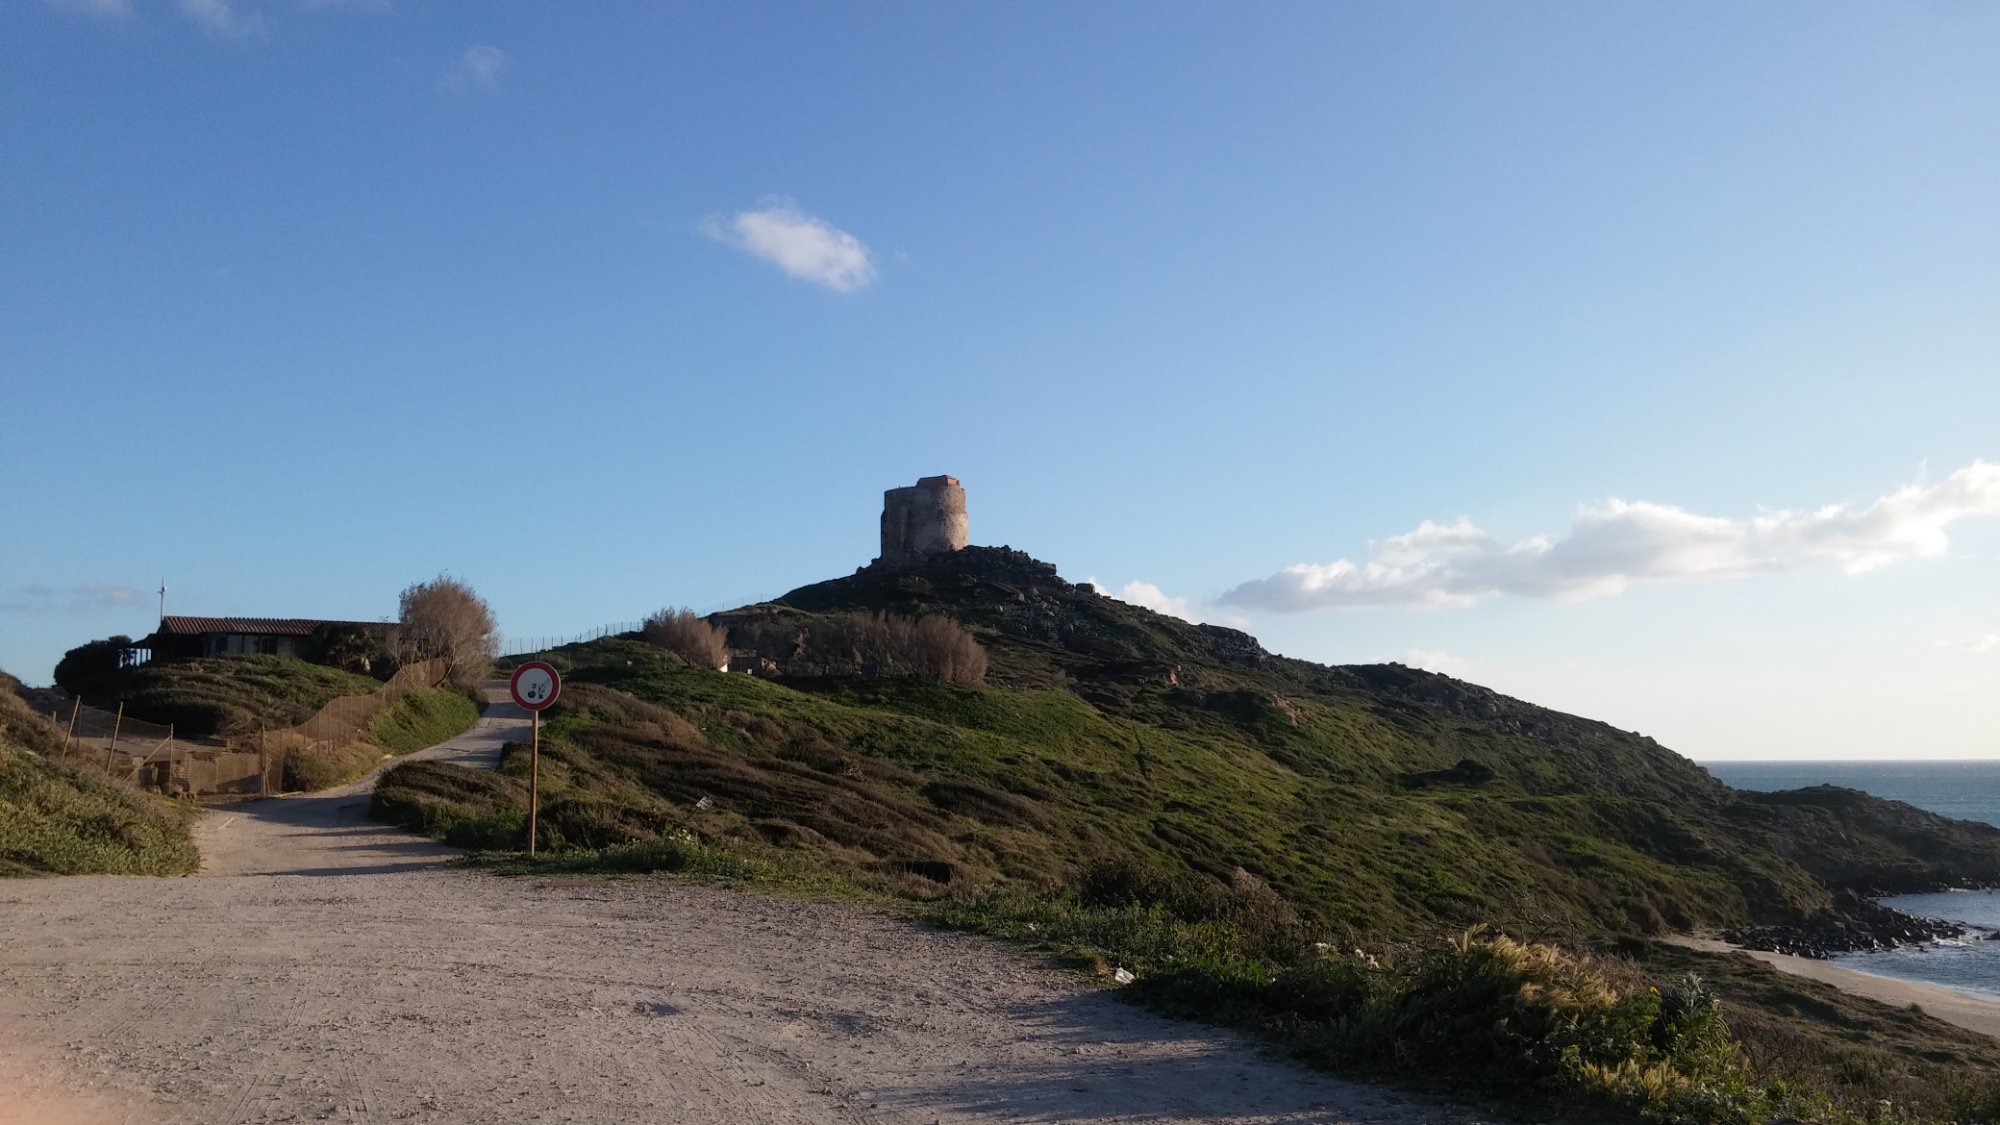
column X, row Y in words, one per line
column 535, row 685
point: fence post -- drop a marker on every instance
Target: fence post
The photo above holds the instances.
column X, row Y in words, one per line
column 115, row 724
column 75, row 709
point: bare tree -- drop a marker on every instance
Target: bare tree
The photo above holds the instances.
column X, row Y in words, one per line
column 941, row 649
column 688, row 636
column 444, row 619
column 933, row 647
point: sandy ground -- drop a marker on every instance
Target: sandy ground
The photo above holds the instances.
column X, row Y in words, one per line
column 325, row 969
column 1953, row 1007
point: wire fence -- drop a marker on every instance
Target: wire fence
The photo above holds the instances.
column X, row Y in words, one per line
column 94, row 724
column 528, row 646
column 341, row 722
column 153, row 756
column 512, row 648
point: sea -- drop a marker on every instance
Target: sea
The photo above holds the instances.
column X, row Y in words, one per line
column 1964, row 790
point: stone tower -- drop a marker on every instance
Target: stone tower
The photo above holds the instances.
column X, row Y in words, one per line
column 922, row 520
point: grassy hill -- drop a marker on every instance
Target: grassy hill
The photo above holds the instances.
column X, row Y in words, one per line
column 1172, row 798
column 422, row 717
column 56, row 819
column 224, row 695
column 1376, row 801
column 241, row 695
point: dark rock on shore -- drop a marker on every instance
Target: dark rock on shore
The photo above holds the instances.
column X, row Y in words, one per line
column 1852, row 924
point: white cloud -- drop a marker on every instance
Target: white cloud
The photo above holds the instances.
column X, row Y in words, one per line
column 1620, row 542
column 1148, row 596
column 99, row 9
column 1972, row 646
column 1437, row 660
column 479, row 68
column 81, row 597
column 222, row 17
column 801, row 245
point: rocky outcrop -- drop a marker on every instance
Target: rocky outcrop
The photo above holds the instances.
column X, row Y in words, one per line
column 1851, row 925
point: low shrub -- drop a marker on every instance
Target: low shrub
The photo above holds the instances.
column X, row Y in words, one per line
column 423, row 718
column 689, row 636
column 1263, row 924
column 56, row 819
column 1486, row 1013
column 1520, row 1018
column 589, row 825
column 500, row 830
column 1976, row 1099
column 313, row 766
column 680, row 853
column 467, row 808
column 941, row 649
column 1800, row 1036
column 933, row 648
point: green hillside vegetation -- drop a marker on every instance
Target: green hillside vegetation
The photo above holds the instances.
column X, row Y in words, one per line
column 423, row 717
column 224, row 695
column 1810, row 1036
column 242, row 695
column 59, row 820
column 1130, row 789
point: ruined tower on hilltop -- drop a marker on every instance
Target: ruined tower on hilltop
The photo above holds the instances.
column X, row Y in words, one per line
column 922, row 520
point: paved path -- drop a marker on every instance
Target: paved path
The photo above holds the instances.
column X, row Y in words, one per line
column 325, row 969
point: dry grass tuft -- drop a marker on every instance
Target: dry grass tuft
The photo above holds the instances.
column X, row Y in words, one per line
column 687, row 635
column 933, row 648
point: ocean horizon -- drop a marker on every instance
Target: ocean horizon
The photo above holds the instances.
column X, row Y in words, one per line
column 1963, row 790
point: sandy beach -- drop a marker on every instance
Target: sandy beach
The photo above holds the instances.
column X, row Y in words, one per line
column 1966, row 1011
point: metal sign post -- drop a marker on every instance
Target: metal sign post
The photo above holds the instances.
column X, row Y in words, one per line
column 534, row 780
column 534, row 686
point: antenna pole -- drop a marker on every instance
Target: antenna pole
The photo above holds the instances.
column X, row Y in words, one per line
column 163, row 601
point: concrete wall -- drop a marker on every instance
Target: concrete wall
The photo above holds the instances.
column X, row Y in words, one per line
column 922, row 520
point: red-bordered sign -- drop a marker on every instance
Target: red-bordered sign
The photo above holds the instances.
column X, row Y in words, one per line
column 535, row 685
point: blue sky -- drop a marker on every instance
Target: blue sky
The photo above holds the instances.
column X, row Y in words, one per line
column 1639, row 360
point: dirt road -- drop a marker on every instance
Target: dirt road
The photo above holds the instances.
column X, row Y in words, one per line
column 325, row 969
